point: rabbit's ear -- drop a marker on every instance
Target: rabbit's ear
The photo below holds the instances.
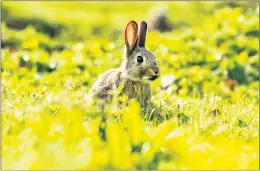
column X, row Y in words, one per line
column 142, row 34
column 131, row 36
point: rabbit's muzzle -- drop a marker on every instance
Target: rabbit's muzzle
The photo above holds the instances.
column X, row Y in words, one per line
column 153, row 73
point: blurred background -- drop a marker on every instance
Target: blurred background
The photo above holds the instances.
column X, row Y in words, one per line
column 200, row 46
column 207, row 94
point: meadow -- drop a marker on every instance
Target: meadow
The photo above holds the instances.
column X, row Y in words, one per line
column 52, row 52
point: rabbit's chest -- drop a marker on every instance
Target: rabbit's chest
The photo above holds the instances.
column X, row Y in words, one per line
column 139, row 91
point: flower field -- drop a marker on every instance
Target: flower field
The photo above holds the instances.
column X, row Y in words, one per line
column 207, row 94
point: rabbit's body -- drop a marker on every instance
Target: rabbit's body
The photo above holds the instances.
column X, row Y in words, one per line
column 112, row 79
column 137, row 70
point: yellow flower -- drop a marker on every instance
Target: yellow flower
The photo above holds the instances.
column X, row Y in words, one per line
column 30, row 44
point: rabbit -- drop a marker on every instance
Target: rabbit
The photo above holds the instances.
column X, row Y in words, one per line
column 138, row 69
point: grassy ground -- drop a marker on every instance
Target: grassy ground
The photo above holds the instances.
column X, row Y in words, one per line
column 51, row 57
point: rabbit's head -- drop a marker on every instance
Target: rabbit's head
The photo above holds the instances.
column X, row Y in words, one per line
column 139, row 64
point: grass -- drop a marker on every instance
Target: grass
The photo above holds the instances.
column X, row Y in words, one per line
column 207, row 121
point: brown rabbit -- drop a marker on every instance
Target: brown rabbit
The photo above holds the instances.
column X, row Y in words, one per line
column 137, row 70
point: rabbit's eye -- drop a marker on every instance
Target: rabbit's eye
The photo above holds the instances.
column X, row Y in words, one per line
column 140, row 59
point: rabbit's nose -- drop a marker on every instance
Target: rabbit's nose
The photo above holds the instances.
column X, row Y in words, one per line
column 156, row 71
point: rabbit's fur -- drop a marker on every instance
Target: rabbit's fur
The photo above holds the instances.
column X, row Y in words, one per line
column 135, row 76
